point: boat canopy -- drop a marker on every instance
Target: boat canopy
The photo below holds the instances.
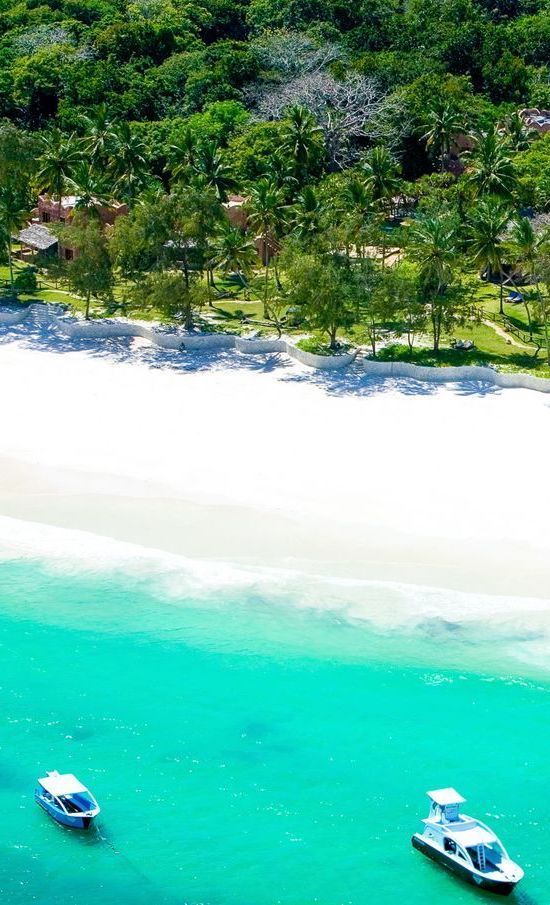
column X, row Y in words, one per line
column 471, row 836
column 444, row 797
column 62, row 784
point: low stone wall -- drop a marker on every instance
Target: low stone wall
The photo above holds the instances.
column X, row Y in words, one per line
column 80, row 329
column 476, row 373
column 324, row 362
column 256, row 346
column 77, row 328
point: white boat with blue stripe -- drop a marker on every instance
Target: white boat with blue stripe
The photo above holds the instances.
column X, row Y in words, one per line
column 65, row 799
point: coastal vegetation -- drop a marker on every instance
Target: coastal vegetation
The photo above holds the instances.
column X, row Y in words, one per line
column 353, row 174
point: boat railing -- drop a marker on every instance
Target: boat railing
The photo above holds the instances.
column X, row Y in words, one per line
column 489, row 830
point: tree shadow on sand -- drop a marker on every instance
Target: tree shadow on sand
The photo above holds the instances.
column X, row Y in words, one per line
column 353, row 380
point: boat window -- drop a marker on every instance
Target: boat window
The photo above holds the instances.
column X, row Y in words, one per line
column 449, row 845
column 70, row 804
column 461, row 854
column 494, row 853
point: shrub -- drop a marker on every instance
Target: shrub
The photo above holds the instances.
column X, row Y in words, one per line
column 25, row 281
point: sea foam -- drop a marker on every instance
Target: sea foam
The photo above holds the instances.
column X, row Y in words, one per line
column 443, row 616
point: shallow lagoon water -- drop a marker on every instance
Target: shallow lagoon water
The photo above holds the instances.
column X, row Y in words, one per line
column 251, row 755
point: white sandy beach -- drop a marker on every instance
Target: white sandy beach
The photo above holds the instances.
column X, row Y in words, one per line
column 263, row 464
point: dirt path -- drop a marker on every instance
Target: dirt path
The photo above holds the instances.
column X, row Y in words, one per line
column 505, row 335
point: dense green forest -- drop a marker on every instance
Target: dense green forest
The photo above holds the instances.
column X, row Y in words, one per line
column 378, row 146
column 224, row 64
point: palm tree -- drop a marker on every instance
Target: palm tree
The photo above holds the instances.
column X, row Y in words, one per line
column 210, row 164
column 234, row 253
column 516, row 133
column 280, row 171
column 382, row 174
column 203, row 214
column 92, row 188
column 525, row 246
column 13, row 216
column 301, row 140
column 59, row 154
column 182, row 156
column 443, row 123
column 492, row 170
column 434, row 248
column 357, row 206
column 308, row 215
column 99, row 135
column 486, row 237
column 128, row 161
column 266, row 216
column 543, row 299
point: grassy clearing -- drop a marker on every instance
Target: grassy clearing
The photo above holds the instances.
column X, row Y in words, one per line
column 487, row 352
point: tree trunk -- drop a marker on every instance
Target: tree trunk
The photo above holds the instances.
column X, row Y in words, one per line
column 10, row 262
column 87, row 314
column 436, row 326
column 332, row 334
column 243, row 283
column 501, row 299
column 546, row 333
column 277, row 279
column 266, row 288
column 186, row 272
column 529, row 320
column 188, row 318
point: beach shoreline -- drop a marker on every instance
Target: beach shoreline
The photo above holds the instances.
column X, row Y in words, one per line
column 266, row 466
column 245, row 537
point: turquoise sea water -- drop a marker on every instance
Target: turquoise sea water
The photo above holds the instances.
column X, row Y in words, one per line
column 251, row 755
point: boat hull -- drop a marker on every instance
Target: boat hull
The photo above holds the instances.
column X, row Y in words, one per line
column 500, row 887
column 74, row 821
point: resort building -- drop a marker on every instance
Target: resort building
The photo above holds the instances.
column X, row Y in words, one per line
column 535, row 119
column 36, row 238
column 235, row 211
column 51, row 210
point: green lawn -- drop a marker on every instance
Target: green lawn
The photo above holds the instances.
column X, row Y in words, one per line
column 237, row 314
column 489, row 349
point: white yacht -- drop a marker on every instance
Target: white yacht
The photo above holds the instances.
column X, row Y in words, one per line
column 465, row 845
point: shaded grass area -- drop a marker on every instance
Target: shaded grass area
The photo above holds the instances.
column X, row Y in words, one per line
column 509, row 361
